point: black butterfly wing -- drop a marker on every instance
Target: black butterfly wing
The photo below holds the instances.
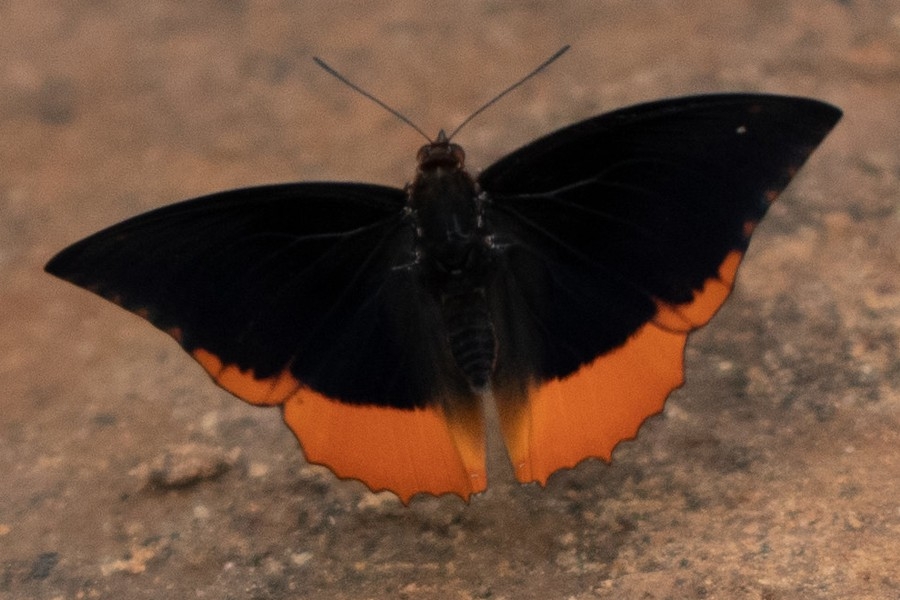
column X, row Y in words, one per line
column 619, row 235
column 303, row 295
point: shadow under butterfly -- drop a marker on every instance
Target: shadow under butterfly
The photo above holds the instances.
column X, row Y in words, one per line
column 564, row 280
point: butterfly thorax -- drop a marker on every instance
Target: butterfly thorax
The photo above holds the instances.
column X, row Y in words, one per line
column 454, row 258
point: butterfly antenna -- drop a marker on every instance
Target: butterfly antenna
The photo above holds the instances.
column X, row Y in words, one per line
column 328, row 69
column 494, row 100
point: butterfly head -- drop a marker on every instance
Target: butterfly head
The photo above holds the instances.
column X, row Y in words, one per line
column 441, row 153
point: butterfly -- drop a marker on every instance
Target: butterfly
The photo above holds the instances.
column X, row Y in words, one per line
column 563, row 280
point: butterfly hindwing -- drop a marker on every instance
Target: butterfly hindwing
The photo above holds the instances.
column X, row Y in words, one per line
column 621, row 234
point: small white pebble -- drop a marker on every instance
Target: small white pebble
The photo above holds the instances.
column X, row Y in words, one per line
column 259, row 469
column 301, row 558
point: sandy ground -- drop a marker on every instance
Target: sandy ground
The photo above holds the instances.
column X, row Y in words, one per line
column 124, row 473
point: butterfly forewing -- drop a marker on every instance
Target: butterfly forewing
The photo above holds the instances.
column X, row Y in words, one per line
column 305, row 277
column 642, row 205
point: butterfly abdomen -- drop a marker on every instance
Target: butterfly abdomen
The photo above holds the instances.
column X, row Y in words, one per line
column 470, row 335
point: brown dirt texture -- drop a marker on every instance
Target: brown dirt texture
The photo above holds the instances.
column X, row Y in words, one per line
column 774, row 473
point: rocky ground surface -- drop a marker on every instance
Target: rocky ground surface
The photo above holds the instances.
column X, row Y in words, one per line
column 124, row 473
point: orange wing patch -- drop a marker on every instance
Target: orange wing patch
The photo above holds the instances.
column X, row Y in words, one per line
column 585, row 415
column 562, row 422
column 404, row 451
column 686, row 317
column 244, row 384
